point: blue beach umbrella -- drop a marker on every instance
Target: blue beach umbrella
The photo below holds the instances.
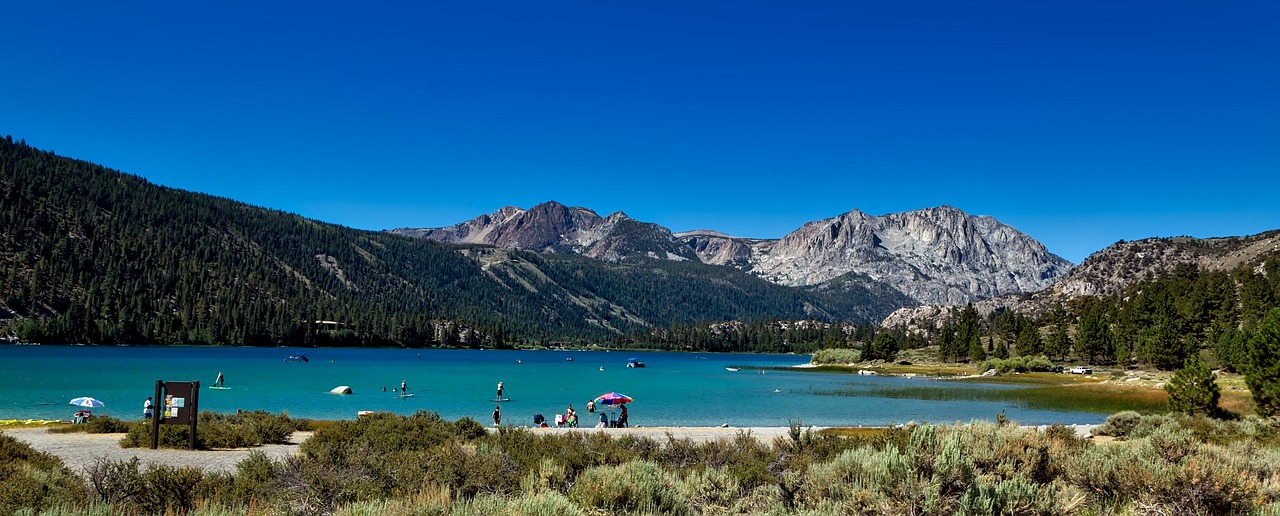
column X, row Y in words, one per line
column 86, row 402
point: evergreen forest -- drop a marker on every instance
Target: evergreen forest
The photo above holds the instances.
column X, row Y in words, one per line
column 93, row 255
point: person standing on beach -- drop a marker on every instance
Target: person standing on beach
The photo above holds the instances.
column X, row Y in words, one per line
column 622, row 418
column 570, row 416
column 497, row 415
column 146, row 408
column 499, row 391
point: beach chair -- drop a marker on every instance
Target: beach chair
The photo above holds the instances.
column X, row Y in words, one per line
column 559, row 420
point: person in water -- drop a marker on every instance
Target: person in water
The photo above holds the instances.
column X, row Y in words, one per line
column 499, row 391
column 497, row 415
column 219, row 381
column 591, row 406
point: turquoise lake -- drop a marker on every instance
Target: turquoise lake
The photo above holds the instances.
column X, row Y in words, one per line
column 675, row 389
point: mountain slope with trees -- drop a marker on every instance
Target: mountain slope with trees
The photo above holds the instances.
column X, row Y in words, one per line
column 92, row 255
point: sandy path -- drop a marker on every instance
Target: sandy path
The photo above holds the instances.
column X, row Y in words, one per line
column 80, row 450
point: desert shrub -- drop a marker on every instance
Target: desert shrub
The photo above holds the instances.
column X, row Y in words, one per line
column 430, row 501
column 836, row 356
column 547, row 476
column 214, row 430
column 708, row 490
column 543, row 503
column 1168, row 472
column 97, row 425
column 639, row 486
column 864, row 477
column 385, row 433
column 1119, row 425
column 170, row 489
column 107, row 425
column 34, row 479
column 762, row 500
column 116, row 483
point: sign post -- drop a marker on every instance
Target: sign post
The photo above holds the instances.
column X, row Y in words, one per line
column 178, row 404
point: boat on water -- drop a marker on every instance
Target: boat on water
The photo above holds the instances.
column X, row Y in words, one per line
column 633, row 362
column 301, row 357
column 734, row 369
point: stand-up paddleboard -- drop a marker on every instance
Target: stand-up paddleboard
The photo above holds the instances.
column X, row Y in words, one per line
column 221, row 388
column 501, row 400
column 409, row 395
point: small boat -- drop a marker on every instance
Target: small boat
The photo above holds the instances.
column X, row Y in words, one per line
column 301, row 357
column 734, row 369
column 632, row 362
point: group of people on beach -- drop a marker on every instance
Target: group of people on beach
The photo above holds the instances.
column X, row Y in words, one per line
column 570, row 418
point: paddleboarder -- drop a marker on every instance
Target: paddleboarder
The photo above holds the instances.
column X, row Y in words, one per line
column 219, row 381
column 499, row 391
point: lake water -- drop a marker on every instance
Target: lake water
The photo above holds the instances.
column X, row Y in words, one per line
column 675, row 389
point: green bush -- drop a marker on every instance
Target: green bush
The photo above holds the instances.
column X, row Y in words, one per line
column 836, row 356
column 220, row 431
column 97, row 425
column 31, row 479
column 1020, row 364
column 1119, row 425
column 633, row 487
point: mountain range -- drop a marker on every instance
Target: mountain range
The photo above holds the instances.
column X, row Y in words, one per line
column 93, row 255
column 934, row 256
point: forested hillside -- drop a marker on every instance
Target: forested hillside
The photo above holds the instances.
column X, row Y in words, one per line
column 1157, row 322
column 92, row 255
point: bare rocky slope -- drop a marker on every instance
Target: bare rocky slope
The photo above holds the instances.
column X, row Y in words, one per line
column 936, row 256
column 552, row 227
column 1114, row 269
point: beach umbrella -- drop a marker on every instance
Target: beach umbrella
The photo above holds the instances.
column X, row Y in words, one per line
column 86, row 402
column 613, row 398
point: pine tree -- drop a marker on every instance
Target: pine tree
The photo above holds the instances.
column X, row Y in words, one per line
column 1193, row 389
column 1263, row 371
column 1029, row 343
column 1059, row 345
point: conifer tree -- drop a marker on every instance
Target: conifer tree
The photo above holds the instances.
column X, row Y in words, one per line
column 1263, row 372
column 1193, row 389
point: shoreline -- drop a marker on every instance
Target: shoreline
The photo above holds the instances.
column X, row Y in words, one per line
column 80, row 451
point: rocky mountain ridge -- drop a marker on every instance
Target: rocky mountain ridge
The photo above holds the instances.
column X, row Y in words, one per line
column 936, row 256
column 1114, row 269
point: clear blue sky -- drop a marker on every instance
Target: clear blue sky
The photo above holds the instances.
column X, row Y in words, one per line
column 1079, row 123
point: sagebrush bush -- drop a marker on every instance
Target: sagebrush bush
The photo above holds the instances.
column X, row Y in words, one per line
column 639, row 486
column 33, row 479
column 1119, row 425
column 219, row 431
